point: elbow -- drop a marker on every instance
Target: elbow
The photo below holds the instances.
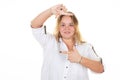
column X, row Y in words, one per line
column 99, row 69
column 32, row 24
column 36, row 24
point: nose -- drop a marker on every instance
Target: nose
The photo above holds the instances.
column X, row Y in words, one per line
column 67, row 27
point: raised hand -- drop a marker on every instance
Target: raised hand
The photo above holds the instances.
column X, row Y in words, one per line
column 59, row 9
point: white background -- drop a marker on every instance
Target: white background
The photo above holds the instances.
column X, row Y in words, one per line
column 21, row 54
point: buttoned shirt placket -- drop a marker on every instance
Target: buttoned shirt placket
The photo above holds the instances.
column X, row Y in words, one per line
column 67, row 62
column 66, row 70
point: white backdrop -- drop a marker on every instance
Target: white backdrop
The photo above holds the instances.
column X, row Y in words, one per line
column 21, row 54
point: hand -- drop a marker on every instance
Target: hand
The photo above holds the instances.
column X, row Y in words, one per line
column 73, row 56
column 59, row 9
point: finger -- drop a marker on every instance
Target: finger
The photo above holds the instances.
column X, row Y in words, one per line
column 64, row 9
column 65, row 13
column 64, row 52
column 69, row 52
column 59, row 7
column 57, row 15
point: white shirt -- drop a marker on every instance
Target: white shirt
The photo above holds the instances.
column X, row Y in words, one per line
column 55, row 65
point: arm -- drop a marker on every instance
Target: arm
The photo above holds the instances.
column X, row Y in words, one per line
column 94, row 62
column 43, row 16
column 95, row 66
column 39, row 20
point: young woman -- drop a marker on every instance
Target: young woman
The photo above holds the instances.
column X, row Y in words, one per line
column 66, row 55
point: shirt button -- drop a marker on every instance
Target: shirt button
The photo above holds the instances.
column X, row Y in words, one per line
column 65, row 77
column 66, row 66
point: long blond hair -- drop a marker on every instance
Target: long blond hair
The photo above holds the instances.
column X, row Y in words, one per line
column 77, row 35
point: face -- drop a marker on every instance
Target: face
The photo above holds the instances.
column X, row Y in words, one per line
column 67, row 27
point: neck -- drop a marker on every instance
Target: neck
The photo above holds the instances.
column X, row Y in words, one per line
column 70, row 43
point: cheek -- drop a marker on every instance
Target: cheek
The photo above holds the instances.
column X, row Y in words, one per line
column 61, row 30
column 72, row 30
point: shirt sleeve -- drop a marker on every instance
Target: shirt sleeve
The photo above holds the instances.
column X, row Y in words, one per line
column 92, row 54
column 41, row 36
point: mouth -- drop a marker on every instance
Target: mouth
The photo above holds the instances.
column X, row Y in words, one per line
column 67, row 32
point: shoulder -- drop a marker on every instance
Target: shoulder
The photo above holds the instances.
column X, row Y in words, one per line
column 85, row 46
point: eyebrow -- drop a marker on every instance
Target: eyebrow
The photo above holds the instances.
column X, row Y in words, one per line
column 64, row 23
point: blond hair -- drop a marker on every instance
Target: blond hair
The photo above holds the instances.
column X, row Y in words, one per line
column 77, row 35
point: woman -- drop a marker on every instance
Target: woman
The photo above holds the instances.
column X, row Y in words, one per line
column 66, row 55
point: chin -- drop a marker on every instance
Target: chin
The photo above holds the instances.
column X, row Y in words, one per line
column 67, row 37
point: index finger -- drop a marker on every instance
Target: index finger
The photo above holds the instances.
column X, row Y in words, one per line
column 66, row 13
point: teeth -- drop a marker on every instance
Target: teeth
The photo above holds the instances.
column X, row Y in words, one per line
column 67, row 32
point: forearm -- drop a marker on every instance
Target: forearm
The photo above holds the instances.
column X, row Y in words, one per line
column 95, row 66
column 41, row 18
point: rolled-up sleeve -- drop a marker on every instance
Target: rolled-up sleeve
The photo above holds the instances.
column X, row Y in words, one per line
column 40, row 36
column 92, row 54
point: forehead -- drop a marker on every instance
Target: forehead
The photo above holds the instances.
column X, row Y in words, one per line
column 66, row 19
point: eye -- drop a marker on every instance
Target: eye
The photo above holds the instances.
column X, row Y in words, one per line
column 71, row 25
column 62, row 25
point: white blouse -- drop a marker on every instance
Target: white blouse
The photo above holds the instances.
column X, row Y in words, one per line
column 56, row 66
